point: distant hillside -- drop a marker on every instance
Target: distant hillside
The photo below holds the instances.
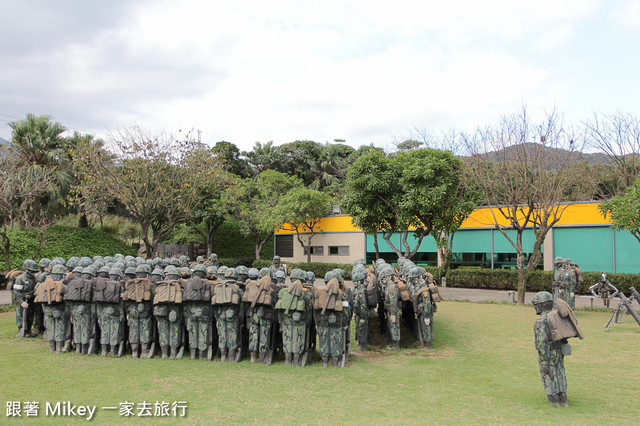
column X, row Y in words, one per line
column 513, row 152
column 3, row 141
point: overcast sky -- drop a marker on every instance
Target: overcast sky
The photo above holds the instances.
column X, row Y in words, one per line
column 364, row 71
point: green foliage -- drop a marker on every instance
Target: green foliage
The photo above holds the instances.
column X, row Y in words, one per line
column 229, row 242
column 64, row 242
column 624, row 210
column 507, row 279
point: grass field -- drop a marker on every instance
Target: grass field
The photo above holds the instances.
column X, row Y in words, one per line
column 484, row 370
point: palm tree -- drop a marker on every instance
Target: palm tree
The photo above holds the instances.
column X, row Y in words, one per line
column 265, row 157
column 39, row 146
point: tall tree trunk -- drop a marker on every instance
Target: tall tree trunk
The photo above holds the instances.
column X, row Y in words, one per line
column 375, row 244
column 522, row 273
column 6, row 248
column 36, row 209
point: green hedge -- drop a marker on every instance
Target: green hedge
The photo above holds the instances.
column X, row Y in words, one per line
column 230, row 243
column 320, row 269
column 507, row 279
column 63, row 241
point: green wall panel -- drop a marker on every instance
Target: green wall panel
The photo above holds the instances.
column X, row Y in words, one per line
column 589, row 247
column 627, row 252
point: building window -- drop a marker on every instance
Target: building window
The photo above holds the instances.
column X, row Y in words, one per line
column 315, row 250
column 339, row 250
column 284, row 245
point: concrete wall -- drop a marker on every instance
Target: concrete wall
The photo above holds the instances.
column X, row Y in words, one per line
column 354, row 240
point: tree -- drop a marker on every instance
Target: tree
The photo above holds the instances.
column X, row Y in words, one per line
column 265, row 157
column 618, row 136
column 19, row 185
column 300, row 210
column 329, row 170
column 298, row 158
column 229, row 154
column 624, row 210
column 158, row 179
column 39, row 146
column 525, row 183
column 252, row 202
column 413, row 190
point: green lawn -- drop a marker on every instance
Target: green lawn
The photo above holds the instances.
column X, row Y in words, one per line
column 484, row 370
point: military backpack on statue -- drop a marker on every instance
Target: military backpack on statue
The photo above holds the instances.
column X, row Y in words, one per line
column 79, row 290
column 372, row 292
column 226, row 294
column 137, row 290
column 259, row 293
column 403, row 291
column 291, row 299
column 196, row 290
column 329, row 297
column 435, row 293
column 49, row 292
column 106, row 291
column 563, row 323
column 167, row 292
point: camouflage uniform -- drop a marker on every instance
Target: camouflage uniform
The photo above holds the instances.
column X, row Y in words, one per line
column 550, row 356
column 294, row 308
column 198, row 313
column 139, row 317
column 169, row 316
column 361, row 310
column 23, row 288
column 81, row 310
column 332, row 325
column 228, row 318
column 55, row 316
column 393, row 308
column 423, row 304
column 564, row 280
column 260, row 316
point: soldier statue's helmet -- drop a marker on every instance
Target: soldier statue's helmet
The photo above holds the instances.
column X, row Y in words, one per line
column 401, row 260
column 298, row 274
column 115, row 271
column 231, row 274
column 158, row 272
column 162, row 263
column 98, row 264
column 171, row 270
column 242, row 270
column 78, row 270
column 148, row 262
column 541, row 297
column 200, row 268
column 359, row 261
column 108, row 259
column 137, row 261
column 133, row 264
column 118, row 256
column 199, row 259
column 358, row 267
column 61, row 260
column 144, row 268
column 105, row 269
column 311, row 277
column 558, row 260
column 222, row 270
column 59, row 270
column 30, row 265
column 254, row 274
column 417, row 271
column 174, row 261
column 54, row 262
column 568, row 261
column 184, row 259
column 130, row 271
column 276, row 260
column 128, row 258
column 386, row 272
column 90, row 270
column 280, row 275
column 120, row 264
column 96, row 258
column 358, row 276
column 72, row 263
column 211, row 270
column 339, row 272
column 185, row 271
column 84, row 262
column 213, row 256
column 379, row 262
column 329, row 276
column 265, row 271
column 44, row 262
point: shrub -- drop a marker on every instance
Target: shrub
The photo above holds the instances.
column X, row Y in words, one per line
column 65, row 242
column 318, row 268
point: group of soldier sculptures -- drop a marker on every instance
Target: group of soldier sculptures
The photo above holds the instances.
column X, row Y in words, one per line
column 566, row 279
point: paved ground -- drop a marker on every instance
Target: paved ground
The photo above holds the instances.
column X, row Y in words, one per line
column 473, row 295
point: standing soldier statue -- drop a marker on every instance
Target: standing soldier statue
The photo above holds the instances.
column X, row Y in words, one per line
column 424, row 295
column 259, row 299
column 50, row 295
column 361, row 307
column 167, row 310
column 332, row 315
column 227, row 307
column 23, row 288
column 551, row 330
column 196, row 301
column 392, row 305
column 78, row 296
column 575, row 276
column 294, row 313
column 107, row 296
column 138, row 293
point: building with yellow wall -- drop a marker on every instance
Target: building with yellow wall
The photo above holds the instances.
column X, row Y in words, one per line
column 582, row 234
